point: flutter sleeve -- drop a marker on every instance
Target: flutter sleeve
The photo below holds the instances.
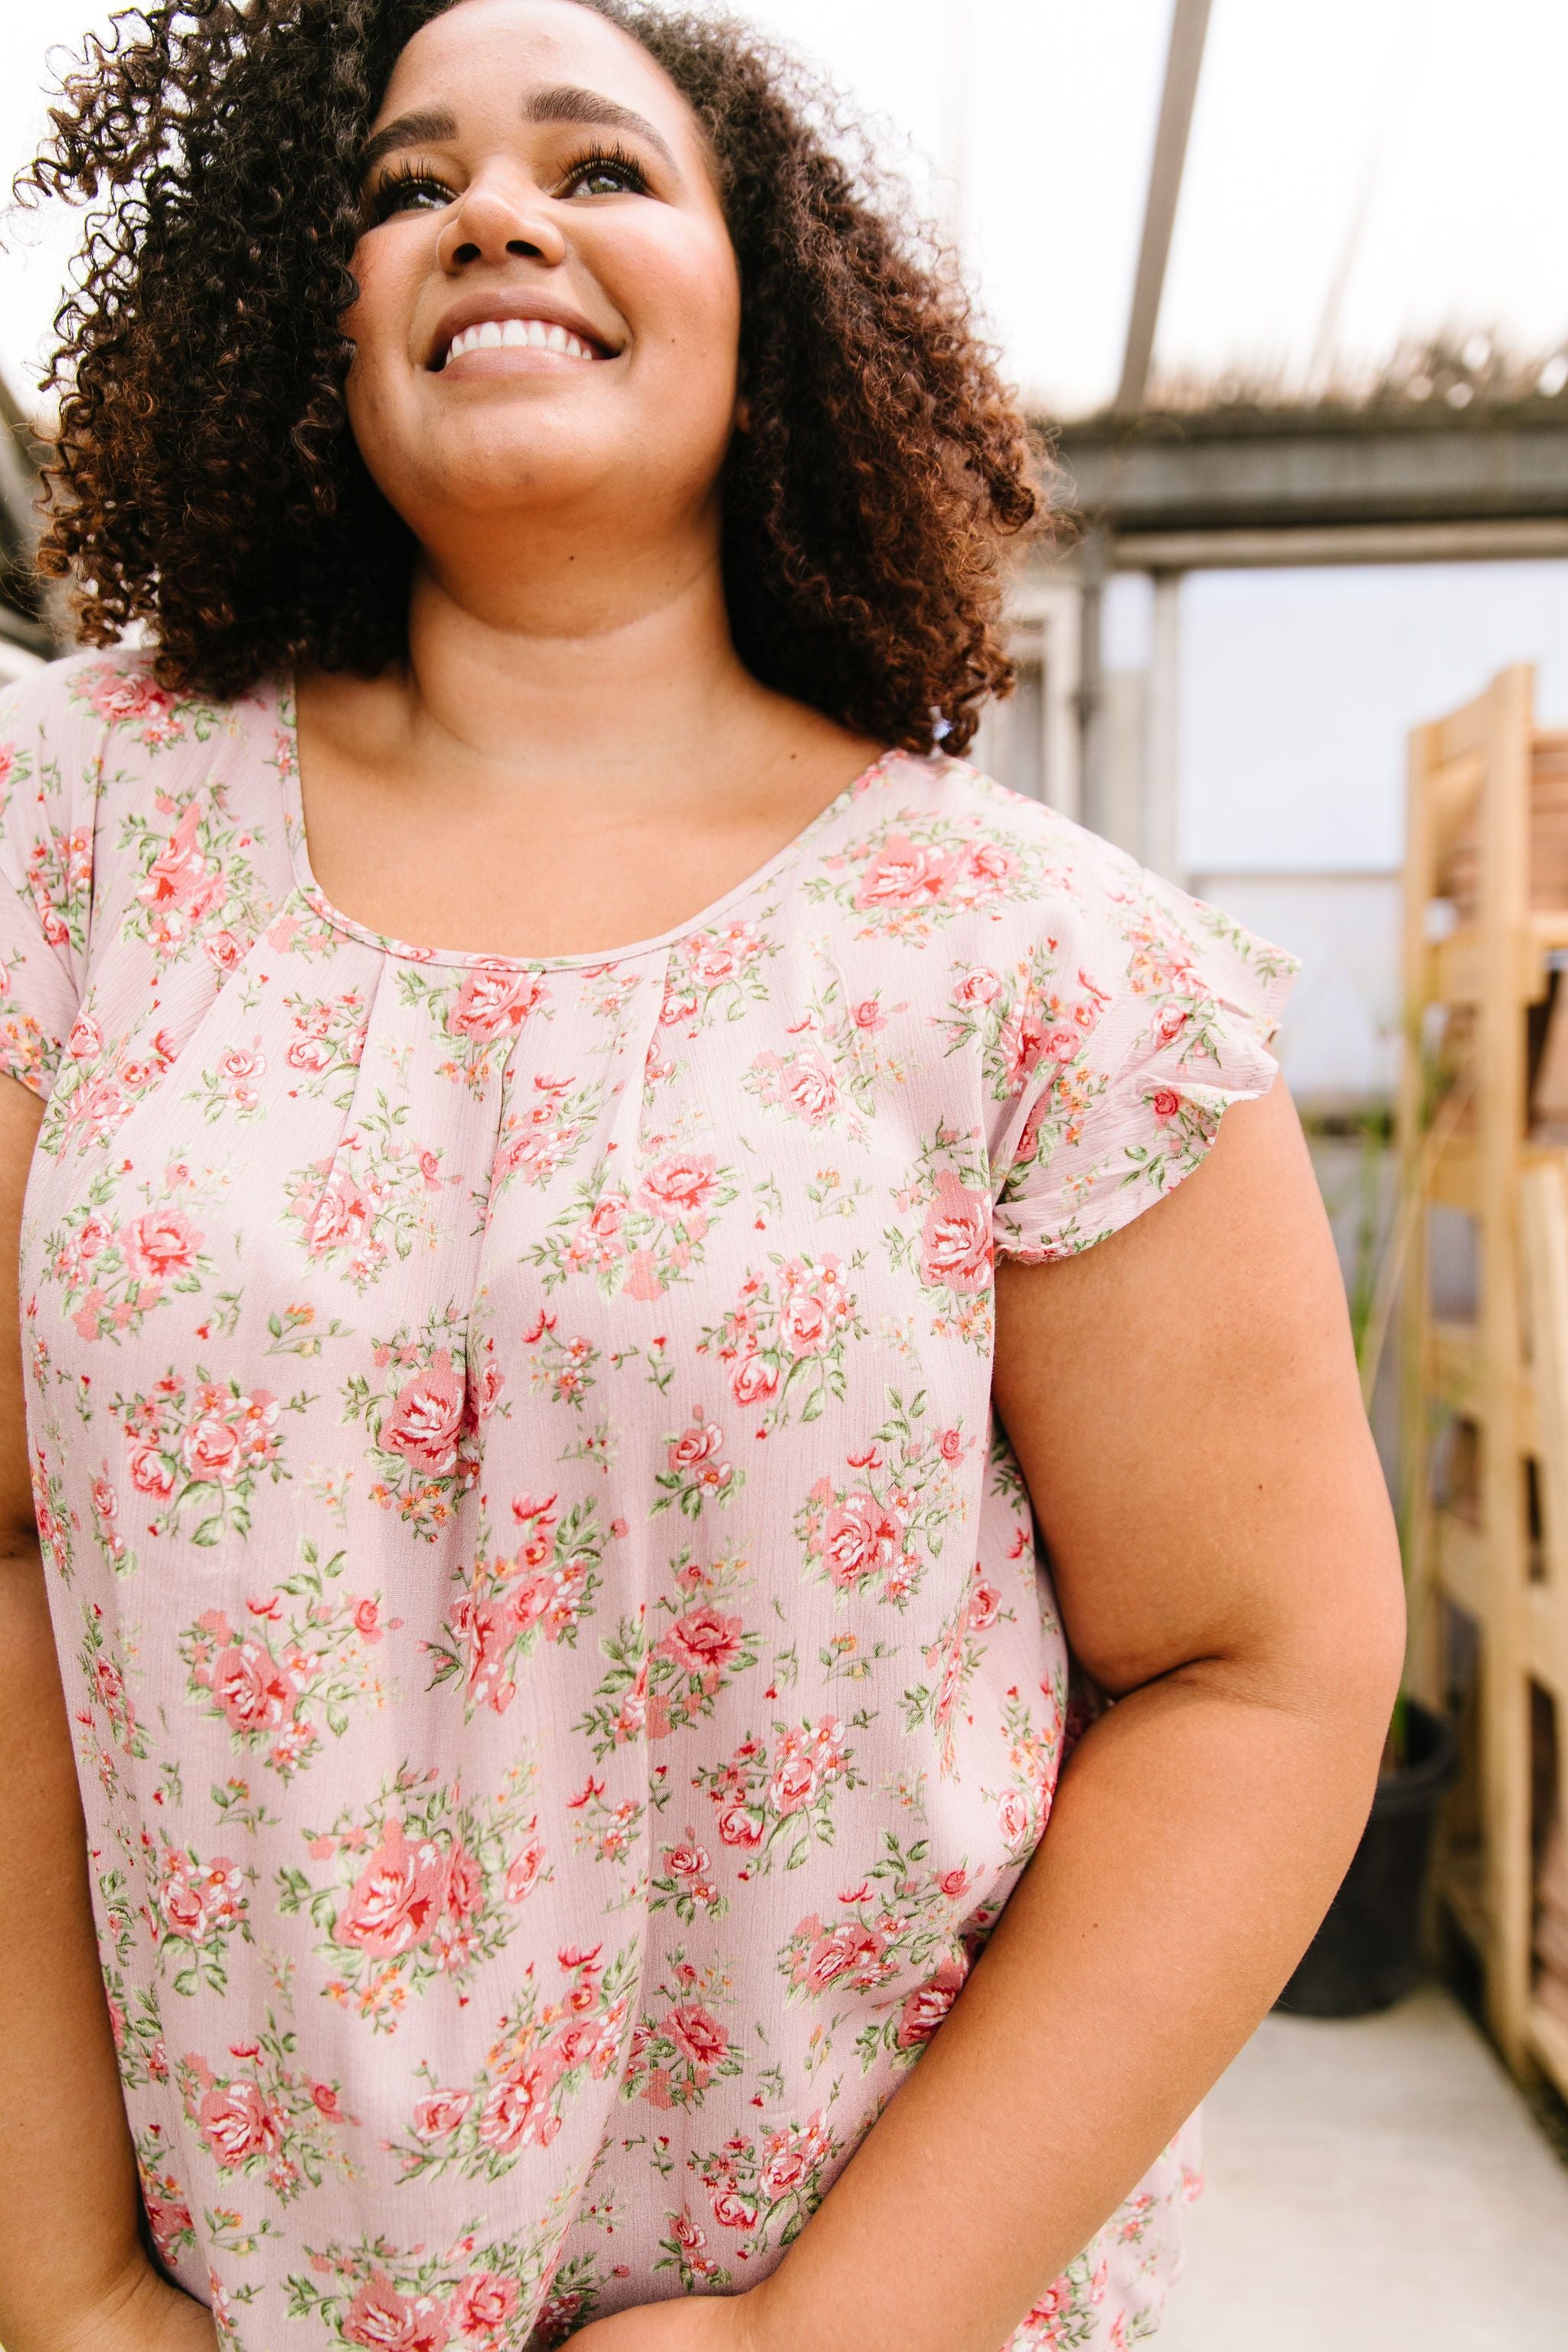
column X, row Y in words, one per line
column 46, row 879
column 1154, row 1013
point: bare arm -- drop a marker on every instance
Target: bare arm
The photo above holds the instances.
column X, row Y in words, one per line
column 1184, row 1404
column 73, row 2277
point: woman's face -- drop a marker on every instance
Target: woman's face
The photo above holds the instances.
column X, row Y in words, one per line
column 549, row 307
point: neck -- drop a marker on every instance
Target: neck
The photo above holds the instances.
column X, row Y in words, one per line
column 573, row 668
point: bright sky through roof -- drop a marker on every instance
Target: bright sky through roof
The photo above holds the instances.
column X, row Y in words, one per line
column 1360, row 170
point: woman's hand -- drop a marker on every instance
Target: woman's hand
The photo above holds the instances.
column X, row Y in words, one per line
column 146, row 2315
column 691, row 2322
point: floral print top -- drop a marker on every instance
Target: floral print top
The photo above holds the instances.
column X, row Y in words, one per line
column 562, row 1677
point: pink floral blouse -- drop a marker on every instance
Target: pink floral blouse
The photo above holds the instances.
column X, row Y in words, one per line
column 563, row 1674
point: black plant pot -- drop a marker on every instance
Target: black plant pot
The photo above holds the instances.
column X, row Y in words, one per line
column 1366, row 1954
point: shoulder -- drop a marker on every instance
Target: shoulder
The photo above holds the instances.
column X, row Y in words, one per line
column 932, row 852
column 128, row 802
column 108, row 706
column 93, row 740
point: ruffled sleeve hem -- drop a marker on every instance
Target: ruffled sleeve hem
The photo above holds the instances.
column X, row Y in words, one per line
column 1112, row 1132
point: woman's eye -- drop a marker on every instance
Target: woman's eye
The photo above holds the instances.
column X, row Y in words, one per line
column 409, row 191
column 607, row 175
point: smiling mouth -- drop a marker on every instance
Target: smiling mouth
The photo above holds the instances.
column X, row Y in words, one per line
column 538, row 335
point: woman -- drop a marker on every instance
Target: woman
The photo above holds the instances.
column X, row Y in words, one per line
column 561, row 1679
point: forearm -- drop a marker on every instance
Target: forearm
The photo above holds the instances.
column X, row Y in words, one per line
column 1197, row 1838
column 68, row 2242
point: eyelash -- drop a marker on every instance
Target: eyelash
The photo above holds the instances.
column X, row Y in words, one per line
column 407, row 175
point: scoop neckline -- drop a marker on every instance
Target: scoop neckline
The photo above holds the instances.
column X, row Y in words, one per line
column 285, row 714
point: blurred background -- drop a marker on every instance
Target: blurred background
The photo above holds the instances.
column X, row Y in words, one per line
column 1287, row 283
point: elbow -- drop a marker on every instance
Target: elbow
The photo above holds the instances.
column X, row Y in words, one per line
column 1359, row 1654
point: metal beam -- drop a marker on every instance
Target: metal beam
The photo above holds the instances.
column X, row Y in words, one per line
column 1396, row 543
column 1189, row 28
column 1307, row 470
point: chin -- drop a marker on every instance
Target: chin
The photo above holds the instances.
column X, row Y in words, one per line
column 499, row 464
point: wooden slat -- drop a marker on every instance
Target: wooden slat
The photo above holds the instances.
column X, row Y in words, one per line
column 1452, row 789
column 1462, row 732
column 1458, row 1380
column 1455, row 1181
column 1459, row 1368
column 1459, row 1550
column 1544, row 1187
column 1424, row 1666
column 1465, row 966
column 1503, row 877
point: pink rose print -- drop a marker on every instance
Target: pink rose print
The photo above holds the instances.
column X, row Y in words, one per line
column 924, row 2009
column 237, row 2123
column 754, row 1380
column 213, row 1449
column 483, row 2304
column 427, row 1418
column 396, row 1902
column 804, row 1083
column 955, row 1239
column 522, row 1874
column 251, row 1688
column 160, row 1245
column 904, row 874
column 518, row 2112
column 784, row 1340
column 851, row 1955
column 183, row 885
column 862, row 1539
column 638, row 1235
column 780, row 1798
column 494, row 1001
column 509, row 1606
column 696, row 1473
column 382, row 2320
column 679, row 1190
column 980, row 986
column 704, row 1640
column 413, row 1888
column 123, row 696
column 440, row 2114
column 697, row 2035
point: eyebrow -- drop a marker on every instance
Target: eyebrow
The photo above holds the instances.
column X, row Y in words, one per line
column 567, row 103
column 428, row 126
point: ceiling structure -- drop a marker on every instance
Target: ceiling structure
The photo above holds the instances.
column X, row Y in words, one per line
column 1188, row 130
column 1361, row 175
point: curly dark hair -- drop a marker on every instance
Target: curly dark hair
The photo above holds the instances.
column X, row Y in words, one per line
column 204, row 480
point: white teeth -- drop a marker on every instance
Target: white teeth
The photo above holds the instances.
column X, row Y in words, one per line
column 527, row 334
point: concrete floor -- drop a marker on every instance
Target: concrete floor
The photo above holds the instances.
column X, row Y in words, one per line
column 1376, row 2185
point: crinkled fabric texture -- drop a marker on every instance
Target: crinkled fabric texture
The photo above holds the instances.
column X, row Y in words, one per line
column 563, row 1679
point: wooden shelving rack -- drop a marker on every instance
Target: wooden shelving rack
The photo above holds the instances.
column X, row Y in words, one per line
column 1498, row 1553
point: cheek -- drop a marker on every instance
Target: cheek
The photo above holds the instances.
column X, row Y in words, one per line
column 377, row 321
column 685, row 305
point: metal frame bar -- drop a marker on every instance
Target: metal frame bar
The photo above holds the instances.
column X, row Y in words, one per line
column 1189, row 29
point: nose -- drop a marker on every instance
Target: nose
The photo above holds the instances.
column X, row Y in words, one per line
column 499, row 219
